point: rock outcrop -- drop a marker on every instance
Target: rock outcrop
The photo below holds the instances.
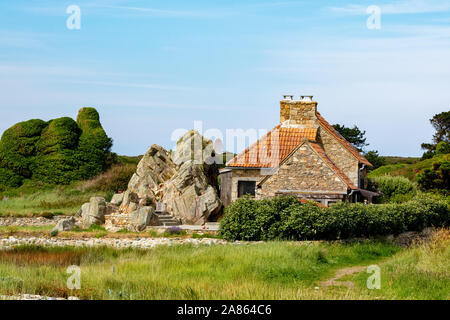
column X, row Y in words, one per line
column 65, row 225
column 153, row 170
column 93, row 212
column 189, row 196
column 117, row 199
column 187, row 185
column 141, row 218
column 183, row 182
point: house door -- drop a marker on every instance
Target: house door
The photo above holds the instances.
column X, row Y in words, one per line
column 246, row 187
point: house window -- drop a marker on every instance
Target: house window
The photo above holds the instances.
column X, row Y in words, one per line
column 246, row 187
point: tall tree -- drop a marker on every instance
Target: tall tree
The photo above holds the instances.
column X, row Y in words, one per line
column 353, row 135
column 441, row 123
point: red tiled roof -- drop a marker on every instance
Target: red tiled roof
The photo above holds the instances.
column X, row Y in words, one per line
column 338, row 171
column 270, row 150
column 342, row 140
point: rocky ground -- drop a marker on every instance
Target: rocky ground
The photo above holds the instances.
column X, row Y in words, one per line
column 33, row 297
column 31, row 221
column 138, row 243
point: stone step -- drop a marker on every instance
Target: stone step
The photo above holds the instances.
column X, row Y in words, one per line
column 167, row 220
column 164, row 216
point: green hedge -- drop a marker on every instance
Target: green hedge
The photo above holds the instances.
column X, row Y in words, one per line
column 58, row 151
column 285, row 218
column 18, row 148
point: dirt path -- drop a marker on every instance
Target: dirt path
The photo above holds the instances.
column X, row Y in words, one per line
column 341, row 273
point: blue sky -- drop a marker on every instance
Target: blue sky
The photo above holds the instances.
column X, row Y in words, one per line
column 151, row 67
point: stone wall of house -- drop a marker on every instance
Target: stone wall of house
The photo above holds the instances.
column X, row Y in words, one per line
column 306, row 171
column 225, row 187
column 299, row 113
column 341, row 157
column 243, row 175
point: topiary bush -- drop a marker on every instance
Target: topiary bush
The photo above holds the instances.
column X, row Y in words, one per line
column 18, row 147
column 56, row 160
column 58, row 151
column 9, row 179
column 94, row 146
column 287, row 218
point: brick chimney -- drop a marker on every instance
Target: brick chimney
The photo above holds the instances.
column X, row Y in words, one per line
column 298, row 113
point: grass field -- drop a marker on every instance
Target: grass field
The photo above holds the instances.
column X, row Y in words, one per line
column 34, row 198
column 45, row 200
column 273, row 270
column 399, row 160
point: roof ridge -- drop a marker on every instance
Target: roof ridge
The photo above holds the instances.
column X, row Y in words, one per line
column 342, row 140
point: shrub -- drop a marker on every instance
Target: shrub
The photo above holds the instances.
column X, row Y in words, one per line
column 60, row 134
column 18, row 146
column 443, row 148
column 172, row 231
column 437, row 178
column 286, row 218
column 248, row 219
column 301, row 222
column 9, row 179
column 428, row 155
column 396, row 189
column 58, row 151
column 95, row 146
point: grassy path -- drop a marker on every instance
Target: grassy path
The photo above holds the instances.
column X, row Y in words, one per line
column 334, row 281
column 277, row 270
column 273, row 270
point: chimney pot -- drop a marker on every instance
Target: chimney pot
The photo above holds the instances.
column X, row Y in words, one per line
column 306, row 98
column 288, row 97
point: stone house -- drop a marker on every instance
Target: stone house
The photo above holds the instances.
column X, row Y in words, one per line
column 302, row 156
